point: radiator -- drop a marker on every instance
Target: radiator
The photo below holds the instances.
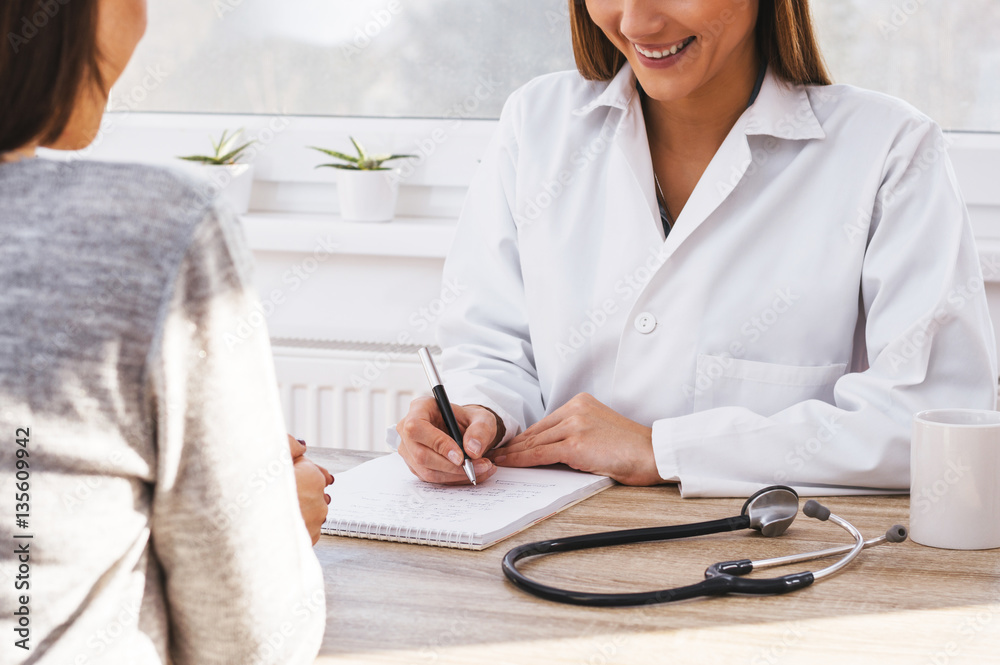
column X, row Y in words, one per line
column 345, row 394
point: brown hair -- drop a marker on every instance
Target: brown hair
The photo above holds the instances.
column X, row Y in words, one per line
column 784, row 38
column 49, row 55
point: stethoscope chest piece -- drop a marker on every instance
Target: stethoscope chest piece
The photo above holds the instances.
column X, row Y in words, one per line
column 770, row 510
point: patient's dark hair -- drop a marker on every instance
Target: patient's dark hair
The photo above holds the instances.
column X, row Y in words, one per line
column 48, row 56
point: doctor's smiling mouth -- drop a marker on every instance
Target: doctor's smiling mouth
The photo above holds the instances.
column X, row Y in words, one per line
column 663, row 56
column 684, row 50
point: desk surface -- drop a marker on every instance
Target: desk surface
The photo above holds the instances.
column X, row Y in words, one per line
column 904, row 603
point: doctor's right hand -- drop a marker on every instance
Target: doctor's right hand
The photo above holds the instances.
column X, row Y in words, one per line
column 432, row 455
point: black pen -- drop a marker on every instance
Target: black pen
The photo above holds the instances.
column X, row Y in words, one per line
column 444, row 405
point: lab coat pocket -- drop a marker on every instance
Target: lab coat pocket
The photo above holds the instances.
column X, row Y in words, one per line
column 764, row 388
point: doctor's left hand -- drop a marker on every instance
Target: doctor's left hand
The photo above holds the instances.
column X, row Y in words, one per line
column 588, row 436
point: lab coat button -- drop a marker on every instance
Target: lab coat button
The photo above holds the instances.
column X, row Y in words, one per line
column 645, row 323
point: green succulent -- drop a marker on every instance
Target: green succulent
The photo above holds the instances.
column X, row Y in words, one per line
column 224, row 152
column 363, row 162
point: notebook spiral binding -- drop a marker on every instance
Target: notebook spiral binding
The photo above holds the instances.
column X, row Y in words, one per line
column 413, row 535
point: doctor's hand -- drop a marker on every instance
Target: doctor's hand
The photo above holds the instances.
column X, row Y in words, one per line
column 588, row 436
column 432, row 455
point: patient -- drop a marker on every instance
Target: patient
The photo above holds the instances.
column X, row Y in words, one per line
column 157, row 518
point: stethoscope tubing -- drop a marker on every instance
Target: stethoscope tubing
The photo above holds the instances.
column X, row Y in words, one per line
column 627, row 537
column 716, row 586
column 720, row 578
column 719, row 583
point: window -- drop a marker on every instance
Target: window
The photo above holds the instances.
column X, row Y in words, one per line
column 942, row 57
column 435, row 58
column 387, row 58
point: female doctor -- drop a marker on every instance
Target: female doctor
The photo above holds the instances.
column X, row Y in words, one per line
column 697, row 261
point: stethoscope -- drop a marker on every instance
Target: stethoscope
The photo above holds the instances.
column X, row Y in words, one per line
column 770, row 511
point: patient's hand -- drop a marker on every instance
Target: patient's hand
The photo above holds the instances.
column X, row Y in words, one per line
column 310, row 480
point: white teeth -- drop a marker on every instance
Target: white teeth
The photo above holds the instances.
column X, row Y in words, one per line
column 656, row 55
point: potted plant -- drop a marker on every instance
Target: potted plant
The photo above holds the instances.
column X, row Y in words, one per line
column 367, row 190
column 235, row 179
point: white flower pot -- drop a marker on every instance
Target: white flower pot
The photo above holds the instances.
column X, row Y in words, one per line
column 367, row 196
column 235, row 181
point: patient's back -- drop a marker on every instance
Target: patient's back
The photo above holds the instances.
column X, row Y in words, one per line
column 145, row 422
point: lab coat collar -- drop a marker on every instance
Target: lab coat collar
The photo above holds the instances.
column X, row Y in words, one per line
column 617, row 94
column 781, row 110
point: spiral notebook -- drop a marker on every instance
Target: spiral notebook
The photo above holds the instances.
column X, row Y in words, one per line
column 383, row 500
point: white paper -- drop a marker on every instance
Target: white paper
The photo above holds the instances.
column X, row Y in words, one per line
column 384, row 498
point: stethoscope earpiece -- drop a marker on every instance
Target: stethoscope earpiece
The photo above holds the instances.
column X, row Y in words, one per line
column 816, row 510
column 896, row 533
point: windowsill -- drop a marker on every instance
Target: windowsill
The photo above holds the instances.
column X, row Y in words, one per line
column 412, row 237
column 989, row 258
column 306, row 233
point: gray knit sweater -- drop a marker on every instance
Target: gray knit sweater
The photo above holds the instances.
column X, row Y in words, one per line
column 161, row 505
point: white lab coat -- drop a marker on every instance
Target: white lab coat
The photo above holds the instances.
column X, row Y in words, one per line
column 820, row 286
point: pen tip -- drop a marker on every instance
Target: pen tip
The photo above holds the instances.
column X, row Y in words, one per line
column 470, row 471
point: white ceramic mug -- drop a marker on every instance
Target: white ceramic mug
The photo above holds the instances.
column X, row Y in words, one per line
column 955, row 479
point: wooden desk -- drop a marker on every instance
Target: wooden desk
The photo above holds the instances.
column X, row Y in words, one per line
column 904, row 603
